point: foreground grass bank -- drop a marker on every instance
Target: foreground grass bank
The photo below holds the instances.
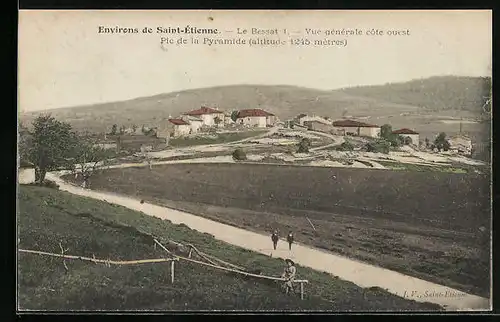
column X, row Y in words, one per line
column 87, row 227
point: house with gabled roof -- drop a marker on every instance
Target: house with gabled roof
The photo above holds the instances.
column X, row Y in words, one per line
column 355, row 128
column 209, row 116
column 255, row 117
column 303, row 118
column 195, row 122
column 407, row 133
column 320, row 126
column 174, row 127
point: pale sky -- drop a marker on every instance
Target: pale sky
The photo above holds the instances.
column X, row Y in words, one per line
column 63, row 61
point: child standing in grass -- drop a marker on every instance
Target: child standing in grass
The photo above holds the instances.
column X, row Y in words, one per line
column 289, row 275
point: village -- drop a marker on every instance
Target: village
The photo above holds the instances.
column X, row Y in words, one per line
column 209, row 134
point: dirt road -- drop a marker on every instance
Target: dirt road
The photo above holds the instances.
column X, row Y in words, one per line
column 359, row 273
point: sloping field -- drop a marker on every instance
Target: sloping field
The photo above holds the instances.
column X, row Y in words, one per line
column 87, row 227
column 433, row 226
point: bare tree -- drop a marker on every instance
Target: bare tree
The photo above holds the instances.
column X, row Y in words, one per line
column 87, row 158
column 146, row 156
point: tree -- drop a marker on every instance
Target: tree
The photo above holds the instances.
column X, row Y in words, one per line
column 48, row 146
column 122, row 129
column 145, row 155
column 427, row 143
column 304, row 145
column 234, row 115
column 441, row 143
column 134, row 127
column 395, row 140
column 217, row 120
column 114, row 129
column 25, row 140
column 386, row 131
column 86, row 158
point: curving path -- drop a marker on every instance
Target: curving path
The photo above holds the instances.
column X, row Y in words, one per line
column 364, row 275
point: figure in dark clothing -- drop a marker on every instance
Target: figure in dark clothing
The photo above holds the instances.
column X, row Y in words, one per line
column 275, row 238
column 289, row 239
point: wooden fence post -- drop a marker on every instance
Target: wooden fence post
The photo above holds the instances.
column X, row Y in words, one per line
column 301, row 290
column 172, row 268
column 311, row 224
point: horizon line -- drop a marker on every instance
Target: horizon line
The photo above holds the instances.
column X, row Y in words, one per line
column 244, row 84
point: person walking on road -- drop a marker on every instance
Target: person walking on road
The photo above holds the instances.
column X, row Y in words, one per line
column 275, row 238
column 289, row 275
column 289, row 239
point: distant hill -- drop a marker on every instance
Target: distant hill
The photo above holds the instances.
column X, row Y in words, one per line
column 432, row 95
column 435, row 93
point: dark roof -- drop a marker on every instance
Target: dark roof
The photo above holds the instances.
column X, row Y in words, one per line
column 404, row 131
column 253, row 112
column 178, row 122
column 203, row 110
column 352, row 123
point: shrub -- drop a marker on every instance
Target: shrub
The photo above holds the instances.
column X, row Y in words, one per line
column 346, row 146
column 239, row 155
column 304, row 145
column 381, row 146
column 407, row 140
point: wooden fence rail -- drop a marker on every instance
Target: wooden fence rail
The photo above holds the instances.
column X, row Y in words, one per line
column 104, row 261
column 172, row 260
column 301, row 282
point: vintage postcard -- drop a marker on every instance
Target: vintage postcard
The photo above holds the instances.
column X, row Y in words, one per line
column 254, row 161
